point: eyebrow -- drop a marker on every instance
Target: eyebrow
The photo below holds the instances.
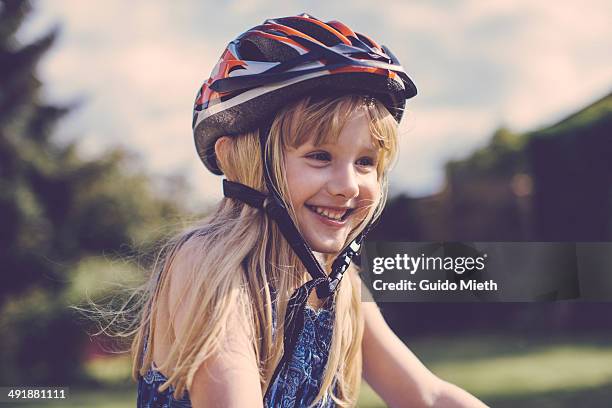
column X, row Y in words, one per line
column 371, row 149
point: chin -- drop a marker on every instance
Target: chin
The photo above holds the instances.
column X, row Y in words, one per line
column 327, row 250
column 332, row 248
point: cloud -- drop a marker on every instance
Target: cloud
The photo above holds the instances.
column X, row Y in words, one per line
column 536, row 61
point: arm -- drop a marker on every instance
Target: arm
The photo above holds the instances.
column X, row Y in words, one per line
column 397, row 375
column 230, row 378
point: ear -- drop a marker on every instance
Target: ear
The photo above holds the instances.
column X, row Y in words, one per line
column 221, row 146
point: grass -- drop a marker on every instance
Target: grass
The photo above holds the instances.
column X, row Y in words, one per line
column 511, row 372
column 556, row 369
column 503, row 372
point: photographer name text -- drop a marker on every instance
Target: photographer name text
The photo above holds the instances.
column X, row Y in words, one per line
column 434, row 286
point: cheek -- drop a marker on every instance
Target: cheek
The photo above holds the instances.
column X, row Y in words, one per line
column 297, row 182
column 293, row 182
column 369, row 198
column 371, row 189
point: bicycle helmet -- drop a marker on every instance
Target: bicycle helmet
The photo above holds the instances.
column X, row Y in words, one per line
column 285, row 59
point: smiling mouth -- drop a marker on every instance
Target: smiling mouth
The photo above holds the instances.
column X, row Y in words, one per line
column 333, row 215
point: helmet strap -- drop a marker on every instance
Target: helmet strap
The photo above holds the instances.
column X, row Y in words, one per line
column 274, row 206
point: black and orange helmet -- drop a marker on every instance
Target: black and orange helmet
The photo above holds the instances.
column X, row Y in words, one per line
column 285, row 59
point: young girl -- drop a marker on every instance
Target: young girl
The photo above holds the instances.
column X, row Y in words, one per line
column 249, row 308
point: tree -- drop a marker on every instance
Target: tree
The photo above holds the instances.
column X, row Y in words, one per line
column 55, row 210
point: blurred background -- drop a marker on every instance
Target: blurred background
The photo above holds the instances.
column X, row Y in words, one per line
column 509, row 139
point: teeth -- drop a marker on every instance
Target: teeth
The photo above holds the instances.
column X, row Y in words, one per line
column 333, row 215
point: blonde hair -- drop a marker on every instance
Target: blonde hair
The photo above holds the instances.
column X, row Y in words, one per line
column 240, row 280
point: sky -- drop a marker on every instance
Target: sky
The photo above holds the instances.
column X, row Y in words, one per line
column 135, row 67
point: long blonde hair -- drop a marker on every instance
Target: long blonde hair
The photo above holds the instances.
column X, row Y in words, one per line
column 249, row 255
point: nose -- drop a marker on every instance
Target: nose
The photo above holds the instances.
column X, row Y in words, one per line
column 344, row 182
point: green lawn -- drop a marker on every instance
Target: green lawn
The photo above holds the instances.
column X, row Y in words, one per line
column 514, row 372
column 504, row 372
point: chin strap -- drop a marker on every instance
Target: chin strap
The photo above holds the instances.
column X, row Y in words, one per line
column 326, row 286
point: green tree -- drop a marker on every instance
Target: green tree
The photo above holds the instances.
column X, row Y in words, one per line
column 56, row 209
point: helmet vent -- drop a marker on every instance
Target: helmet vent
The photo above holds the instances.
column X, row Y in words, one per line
column 313, row 30
column 249, row 51
column 258, row 48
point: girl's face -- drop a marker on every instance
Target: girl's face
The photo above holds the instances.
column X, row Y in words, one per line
column 333, row 186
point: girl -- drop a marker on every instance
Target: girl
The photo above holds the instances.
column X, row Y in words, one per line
column 301, row 117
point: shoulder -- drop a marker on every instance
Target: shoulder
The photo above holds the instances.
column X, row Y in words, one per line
column 197, row 284
column 198, row 296
column 182, row 264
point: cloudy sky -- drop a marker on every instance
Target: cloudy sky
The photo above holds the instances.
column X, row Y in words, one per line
column 136, row 66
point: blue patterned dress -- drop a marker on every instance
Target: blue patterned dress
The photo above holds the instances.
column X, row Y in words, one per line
column 296, row 385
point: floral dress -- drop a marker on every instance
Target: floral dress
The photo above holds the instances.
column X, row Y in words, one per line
column 296, row 385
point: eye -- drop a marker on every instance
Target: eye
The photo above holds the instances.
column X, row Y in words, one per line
column 319, row 156
column 366, row 161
